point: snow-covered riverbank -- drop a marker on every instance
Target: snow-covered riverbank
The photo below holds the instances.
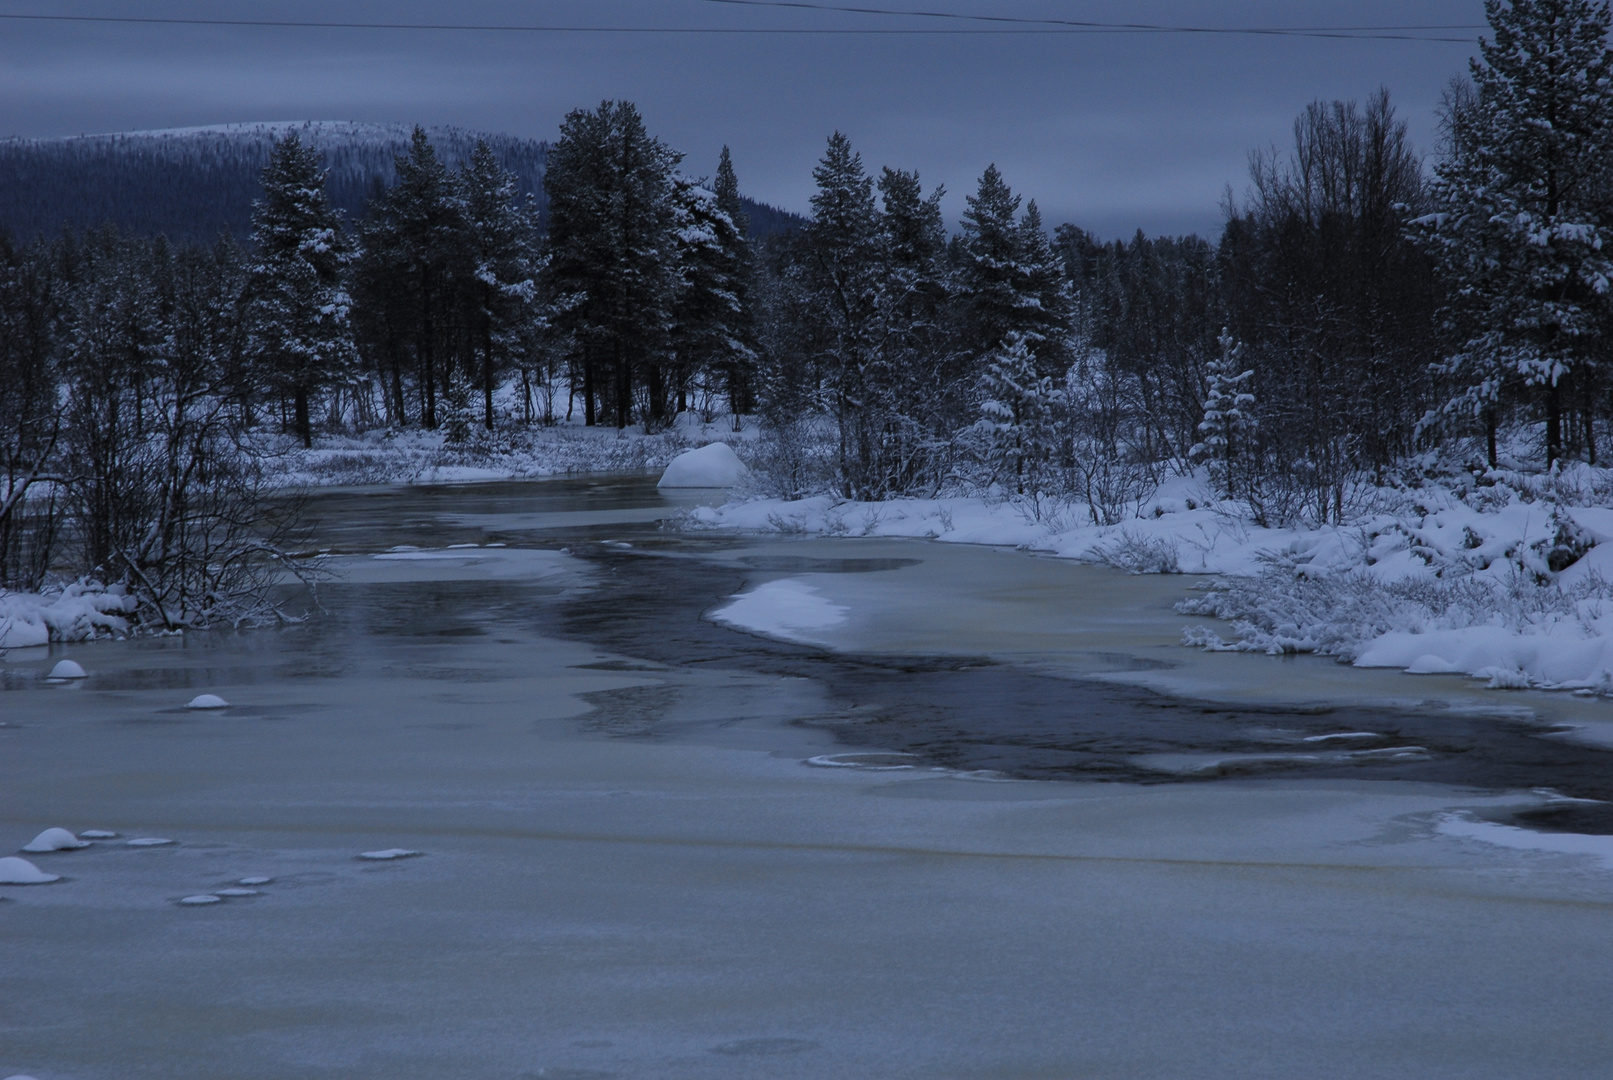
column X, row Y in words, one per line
column 1505, row 579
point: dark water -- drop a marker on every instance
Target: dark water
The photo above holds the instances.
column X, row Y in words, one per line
column 973, row 714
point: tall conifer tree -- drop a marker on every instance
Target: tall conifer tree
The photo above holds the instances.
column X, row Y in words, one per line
column 298, row 314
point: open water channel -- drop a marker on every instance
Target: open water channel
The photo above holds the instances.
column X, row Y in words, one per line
column 995, row 822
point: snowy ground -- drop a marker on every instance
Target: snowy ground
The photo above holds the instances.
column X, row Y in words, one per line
column 514, row 453
column 1507, row 581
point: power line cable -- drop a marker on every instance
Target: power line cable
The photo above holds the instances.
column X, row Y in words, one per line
column 804, row 5
column 1342, row 34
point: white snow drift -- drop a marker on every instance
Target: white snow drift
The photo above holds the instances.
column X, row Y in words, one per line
column 18, row 871
column 714, row 465
column 1505, row 577
column 55, row 840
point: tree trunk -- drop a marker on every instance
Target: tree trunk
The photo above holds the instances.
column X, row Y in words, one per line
column 487, row 378
column 1489, row 435
column 304, row 428
column 588, row 416
column 624, row 389
column 1554, row 425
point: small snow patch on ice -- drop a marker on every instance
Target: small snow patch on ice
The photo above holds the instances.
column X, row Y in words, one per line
column 207, row 701
column 15, row 871
column 455, row 547
column 148, row 841
column 255, row 880
column 876, row 762
column 67, row 669
column 55, row 840
column 781, row 609
column 200, row 899
column 388, row 853
column 1343, row 735
column 97, row 834
column 238, row 892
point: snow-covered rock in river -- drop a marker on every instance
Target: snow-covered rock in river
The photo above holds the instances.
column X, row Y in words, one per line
column 207, row 701
column 56, row 840
column 67, row 669
column 15, row 871
column 714, row 465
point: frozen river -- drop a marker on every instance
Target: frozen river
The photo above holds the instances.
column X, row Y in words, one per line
column 653, row 844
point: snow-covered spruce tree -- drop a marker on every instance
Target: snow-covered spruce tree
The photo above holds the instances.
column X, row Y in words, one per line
column 917, row 395
column 612, row 267
column 711, row 335
column 1020, row 420
column 842, row 282
column 1523, row 232
column 1227, row 433
column 738, row 363
column 501, row 284
column 298, row 328
column 1010, row 281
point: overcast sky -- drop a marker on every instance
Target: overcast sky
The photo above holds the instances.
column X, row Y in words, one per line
column 1113, row 132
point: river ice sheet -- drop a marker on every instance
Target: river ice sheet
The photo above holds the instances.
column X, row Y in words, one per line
column 633, row 872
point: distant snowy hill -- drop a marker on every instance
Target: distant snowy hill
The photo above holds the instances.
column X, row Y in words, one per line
column 196, row 183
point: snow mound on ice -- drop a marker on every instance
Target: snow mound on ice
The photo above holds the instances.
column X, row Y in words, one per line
column 55, row 840
column 148, row 841
column 200, row 899
column 783, row 608
column 714, row 465
column 388, row 853
column 207, row 701
column 15, row 871
column 97, row 834
column 255, row 880
column 66, row 669
column 238, row 892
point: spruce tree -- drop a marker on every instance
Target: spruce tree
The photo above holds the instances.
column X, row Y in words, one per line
column 298, row 311
column 1009, row 280
column 500, row 283
column 1226, row 434
column 738, row 361
column 843, row 279
column 612, row 255
column 1523, row 233
column 413, row 244
column 1019, row 410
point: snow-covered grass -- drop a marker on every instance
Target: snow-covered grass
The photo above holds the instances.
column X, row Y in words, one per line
column 515, row 453
column 1503, row 576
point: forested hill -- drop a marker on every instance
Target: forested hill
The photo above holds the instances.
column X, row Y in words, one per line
column 195, row 183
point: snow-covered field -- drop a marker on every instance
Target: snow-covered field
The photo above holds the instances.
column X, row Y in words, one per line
column 1505, row 579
